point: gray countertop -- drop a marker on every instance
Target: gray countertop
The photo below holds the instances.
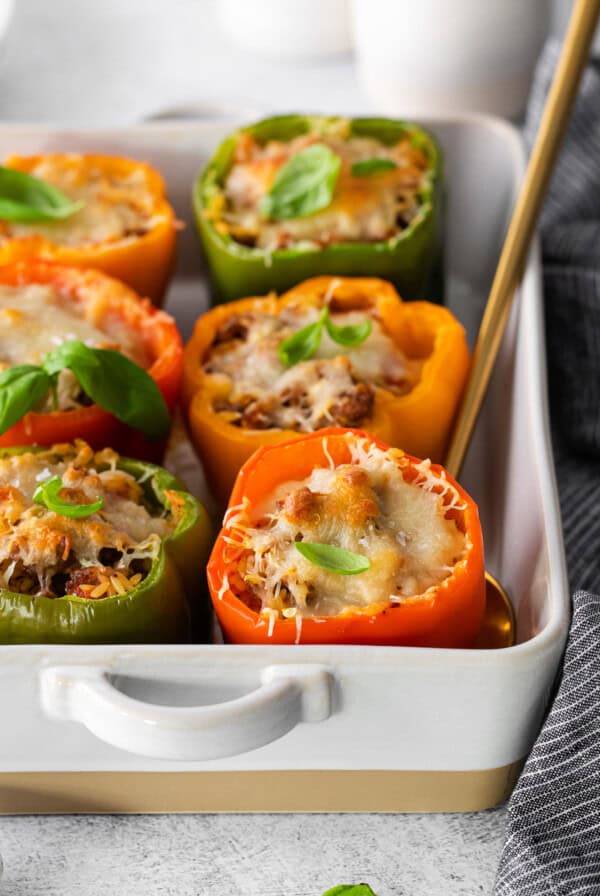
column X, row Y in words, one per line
column 108, row 62
column 253, row 855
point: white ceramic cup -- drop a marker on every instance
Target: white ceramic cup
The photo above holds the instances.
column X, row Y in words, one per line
column 6, row 11
column 287, row 28
column 446, row 56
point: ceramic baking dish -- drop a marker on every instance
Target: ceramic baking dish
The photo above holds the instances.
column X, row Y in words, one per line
column 326, row 728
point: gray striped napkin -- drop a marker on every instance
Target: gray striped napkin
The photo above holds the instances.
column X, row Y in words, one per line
column 553, row 837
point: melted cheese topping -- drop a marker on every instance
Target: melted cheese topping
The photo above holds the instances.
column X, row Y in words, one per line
column 405, row 528
column 36, row 318
column 115, row 207
column 336, row 386
column 44, row 553
column 364, row 209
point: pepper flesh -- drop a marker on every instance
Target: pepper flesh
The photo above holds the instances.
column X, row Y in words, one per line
column 449, row 616
column 156, row 331
column 409, row 259
column 160, row 609
column 145, row 261
column 418, row 422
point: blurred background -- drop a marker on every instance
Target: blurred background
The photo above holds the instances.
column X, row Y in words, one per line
column 107, row 62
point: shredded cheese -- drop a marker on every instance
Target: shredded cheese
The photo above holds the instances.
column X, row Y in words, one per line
column 36, row 318
column 44, row 553
column 116, row 207
column 336, row 386
column 364, row 209
column 405, row 524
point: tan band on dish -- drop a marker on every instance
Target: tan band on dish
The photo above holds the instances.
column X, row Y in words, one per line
column 23, row 793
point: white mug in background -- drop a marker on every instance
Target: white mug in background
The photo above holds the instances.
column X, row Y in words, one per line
column 6, row 11
column 446, row 56
column 290, row 29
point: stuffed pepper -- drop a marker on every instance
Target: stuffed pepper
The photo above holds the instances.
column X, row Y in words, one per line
column 94, row 211
column 296, row 195
column 96, row 548
column 82, row 356
column 332, row 351
column 335, row 538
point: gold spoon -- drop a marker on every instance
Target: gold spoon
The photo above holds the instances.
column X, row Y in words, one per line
column 499, row 627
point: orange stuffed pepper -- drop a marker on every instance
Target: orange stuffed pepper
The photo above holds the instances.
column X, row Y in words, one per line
column 83, row 357
column 332, row 351
column 335, row 538
column 119, row 221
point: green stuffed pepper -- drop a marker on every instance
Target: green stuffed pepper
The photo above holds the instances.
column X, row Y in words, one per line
column 295, row 196
column 95, row 548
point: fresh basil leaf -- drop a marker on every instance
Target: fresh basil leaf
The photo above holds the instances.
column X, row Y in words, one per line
column 47, row 493
column 351, row 334
column 332, row 558
column 24, row 198
column 302, row 344
column 372, row 166
column 303, row 185
column 21, row 389
column 350, row 890
column 115, row 383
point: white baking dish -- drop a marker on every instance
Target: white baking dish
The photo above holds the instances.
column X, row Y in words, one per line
column 215, row 727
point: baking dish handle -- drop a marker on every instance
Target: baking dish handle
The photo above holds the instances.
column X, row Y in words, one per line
column 287, row 695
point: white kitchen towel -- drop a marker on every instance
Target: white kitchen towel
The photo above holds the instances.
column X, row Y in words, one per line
column 553, row 836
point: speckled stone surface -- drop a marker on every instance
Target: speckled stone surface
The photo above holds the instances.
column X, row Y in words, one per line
column 112, row 62
column 262, row 855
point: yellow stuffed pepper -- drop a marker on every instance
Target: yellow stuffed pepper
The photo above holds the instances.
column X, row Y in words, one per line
column 91, row 211
column 332, row 351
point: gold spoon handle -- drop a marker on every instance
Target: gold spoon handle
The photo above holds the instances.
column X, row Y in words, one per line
column 554, row 122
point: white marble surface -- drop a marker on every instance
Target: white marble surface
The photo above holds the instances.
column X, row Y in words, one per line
column 104, row 62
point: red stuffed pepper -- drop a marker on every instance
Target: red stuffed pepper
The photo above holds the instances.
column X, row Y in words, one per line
column 83, row 356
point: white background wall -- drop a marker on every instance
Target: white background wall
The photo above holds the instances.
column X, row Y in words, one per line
column 108, row 62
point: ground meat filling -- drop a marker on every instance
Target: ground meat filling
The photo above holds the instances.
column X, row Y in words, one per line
column 336, row 387
column 363, row 209
column 47, row 554
column 352, row 405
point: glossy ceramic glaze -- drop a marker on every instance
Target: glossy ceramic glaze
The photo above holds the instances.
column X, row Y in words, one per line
column 326, row 727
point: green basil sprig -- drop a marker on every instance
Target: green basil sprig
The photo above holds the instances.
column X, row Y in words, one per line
column 47, row 493
column 350, row 890
column 304, row 343
column 107, row 377
column 21, row 388
column 305, row 184
column 332, row 558
column 350, row 335
column 26, row 199
column 372, row 166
